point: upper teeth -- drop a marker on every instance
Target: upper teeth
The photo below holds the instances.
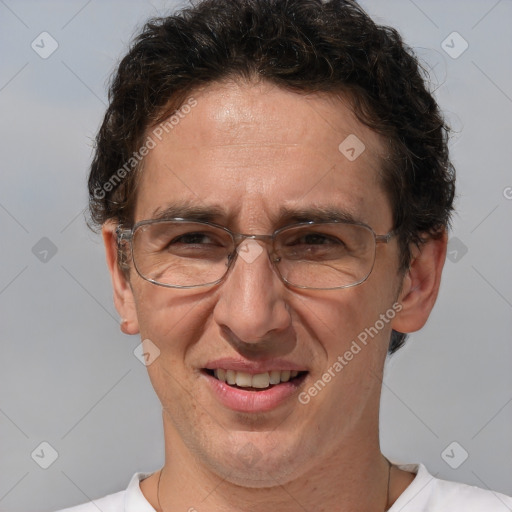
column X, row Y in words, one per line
column 260, row 380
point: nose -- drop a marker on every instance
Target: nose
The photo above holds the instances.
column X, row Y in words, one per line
column 252, row 308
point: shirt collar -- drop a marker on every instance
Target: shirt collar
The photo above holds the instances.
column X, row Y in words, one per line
column 134, row 500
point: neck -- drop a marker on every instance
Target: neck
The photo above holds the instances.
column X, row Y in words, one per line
column 349, row 480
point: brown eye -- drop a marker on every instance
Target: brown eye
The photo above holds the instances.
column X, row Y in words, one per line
column 193, row 238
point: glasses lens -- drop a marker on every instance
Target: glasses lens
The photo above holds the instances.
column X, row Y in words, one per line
column 189, row 254
column 181, row 254
column 325, row 256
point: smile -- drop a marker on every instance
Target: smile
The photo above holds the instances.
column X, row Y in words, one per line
column 252, row 388
column 245, row 380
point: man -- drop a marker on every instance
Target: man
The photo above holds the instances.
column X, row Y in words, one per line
column 274, row 189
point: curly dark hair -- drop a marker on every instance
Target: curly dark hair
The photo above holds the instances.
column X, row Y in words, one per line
column 302, row 45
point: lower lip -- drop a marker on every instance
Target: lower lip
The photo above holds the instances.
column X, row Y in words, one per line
column 253, row 401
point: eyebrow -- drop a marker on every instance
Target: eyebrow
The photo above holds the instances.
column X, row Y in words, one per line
column 285, row 216
column 316, row 214
column 188, row 211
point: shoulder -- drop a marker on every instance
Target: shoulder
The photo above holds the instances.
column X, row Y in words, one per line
column 129, row 500
column 472, row 499
column 111, row 503
column 430, row 494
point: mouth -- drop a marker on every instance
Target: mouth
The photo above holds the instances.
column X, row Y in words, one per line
column 254, row 386
column 256, row 382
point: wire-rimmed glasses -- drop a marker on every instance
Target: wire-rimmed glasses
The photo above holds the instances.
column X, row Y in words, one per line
column 183, row 253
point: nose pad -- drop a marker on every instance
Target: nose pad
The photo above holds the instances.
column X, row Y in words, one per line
column 249, row 250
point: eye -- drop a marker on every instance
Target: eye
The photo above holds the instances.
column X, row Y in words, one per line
column 206, row 245
column 193, row 238
column 315, row 239
column 308, row 237
column 198, row 244
column 313, row 245
column 177, row 239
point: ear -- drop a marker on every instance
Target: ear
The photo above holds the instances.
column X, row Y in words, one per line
column 123, row 295
column 420, row 285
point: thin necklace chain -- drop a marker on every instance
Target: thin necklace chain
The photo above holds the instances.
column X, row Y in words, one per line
column 386, row 507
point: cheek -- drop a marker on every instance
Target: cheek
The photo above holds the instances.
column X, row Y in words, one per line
column 339, row 316
column 350, row 353
column 170, row 318
column 352, row 335
column 173, row 320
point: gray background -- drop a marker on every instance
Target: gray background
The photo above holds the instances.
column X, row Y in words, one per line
column 69, row 376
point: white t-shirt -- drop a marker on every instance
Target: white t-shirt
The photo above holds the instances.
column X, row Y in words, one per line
column 425, row 494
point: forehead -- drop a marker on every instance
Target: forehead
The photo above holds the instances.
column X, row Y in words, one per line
column 253, row 150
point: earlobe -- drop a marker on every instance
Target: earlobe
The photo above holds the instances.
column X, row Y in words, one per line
column 124, row 300
column 421, row 284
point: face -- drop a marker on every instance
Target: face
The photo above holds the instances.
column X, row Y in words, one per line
column 256, row 158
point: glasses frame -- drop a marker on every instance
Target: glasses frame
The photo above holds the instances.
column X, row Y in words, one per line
column 127, row 235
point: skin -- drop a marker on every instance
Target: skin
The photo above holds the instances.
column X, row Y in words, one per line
column 250, row 149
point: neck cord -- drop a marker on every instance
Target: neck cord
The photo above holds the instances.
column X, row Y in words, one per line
column 386, row 507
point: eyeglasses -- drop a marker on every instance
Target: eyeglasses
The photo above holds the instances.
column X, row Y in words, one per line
column 179, row 253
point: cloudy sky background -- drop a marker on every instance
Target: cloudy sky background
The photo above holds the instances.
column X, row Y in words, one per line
column 68, row 376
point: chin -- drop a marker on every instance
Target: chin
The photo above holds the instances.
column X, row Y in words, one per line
column 257, row 477
column 252, row 461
